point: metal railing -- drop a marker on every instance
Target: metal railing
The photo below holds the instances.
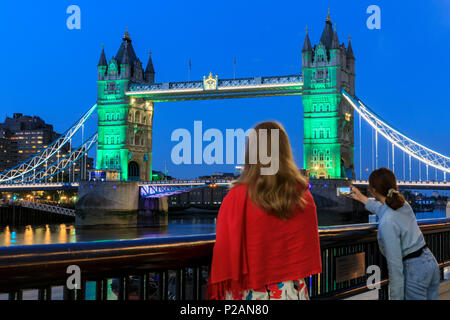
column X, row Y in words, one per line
column 48, row 208
column 177, row 267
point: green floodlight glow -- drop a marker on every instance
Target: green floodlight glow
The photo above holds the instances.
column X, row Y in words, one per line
column 327, row 118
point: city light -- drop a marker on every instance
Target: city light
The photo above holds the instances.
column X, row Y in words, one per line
column 35, row 162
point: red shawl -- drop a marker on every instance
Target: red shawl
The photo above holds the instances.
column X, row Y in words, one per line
column 254, row 249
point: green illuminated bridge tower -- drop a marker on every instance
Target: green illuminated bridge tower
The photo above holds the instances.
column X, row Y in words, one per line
column 124, row 123
column 328, row 119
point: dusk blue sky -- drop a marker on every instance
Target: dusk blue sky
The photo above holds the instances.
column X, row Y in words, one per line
column 401, row 70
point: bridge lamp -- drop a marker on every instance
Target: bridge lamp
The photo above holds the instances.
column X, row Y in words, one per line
column 316, row 168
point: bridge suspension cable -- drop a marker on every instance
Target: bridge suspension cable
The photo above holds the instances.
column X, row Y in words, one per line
column 407, row 145
column 65, row 163
column 33, row 164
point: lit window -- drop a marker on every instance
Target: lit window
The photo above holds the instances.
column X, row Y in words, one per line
column 347, row 116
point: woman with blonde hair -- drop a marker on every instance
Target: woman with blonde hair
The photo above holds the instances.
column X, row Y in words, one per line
column 267, row 239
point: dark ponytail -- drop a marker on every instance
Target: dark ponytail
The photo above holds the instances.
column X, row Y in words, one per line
column 384, row 182
column 395, row 201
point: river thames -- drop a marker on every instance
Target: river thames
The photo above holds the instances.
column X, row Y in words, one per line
column 188, row 224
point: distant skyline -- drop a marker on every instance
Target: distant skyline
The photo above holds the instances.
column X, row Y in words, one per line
column 401, row 70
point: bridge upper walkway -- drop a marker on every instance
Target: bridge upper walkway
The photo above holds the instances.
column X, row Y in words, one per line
column 219, row 89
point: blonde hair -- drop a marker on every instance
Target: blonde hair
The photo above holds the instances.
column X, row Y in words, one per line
column 277, row 194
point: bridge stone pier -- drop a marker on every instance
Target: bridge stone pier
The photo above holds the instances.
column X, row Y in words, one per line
column 118, row 203
column 107, row 203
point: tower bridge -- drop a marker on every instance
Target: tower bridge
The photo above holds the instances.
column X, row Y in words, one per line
column 128, row 94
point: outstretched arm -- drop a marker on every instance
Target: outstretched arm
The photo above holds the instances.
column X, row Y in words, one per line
column 370, row 205
column 357, row 195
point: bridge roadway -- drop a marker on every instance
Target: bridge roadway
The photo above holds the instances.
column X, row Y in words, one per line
column 38, row 186
column 404, row 185
column 412, row 185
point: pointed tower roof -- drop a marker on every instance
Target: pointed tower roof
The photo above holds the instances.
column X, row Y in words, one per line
column 327, row 33
column 350, row 49
column 126, row 54
column 307, row 43
column 126, row 36
column 149, row 68
column 335, row 41
column 102, row 61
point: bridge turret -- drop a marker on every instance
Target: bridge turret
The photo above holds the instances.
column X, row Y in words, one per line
column 328, row 119
column 150, row 71
column 306, row 51
column 102, row 65
column 351, row 67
